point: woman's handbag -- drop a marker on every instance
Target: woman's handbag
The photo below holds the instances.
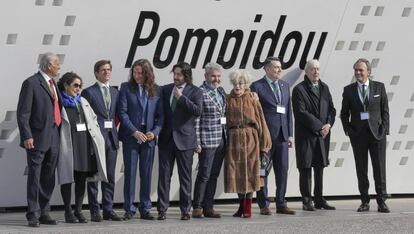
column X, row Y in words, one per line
column 265, row 164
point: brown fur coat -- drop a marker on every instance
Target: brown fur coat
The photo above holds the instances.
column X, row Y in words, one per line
column 248, row 135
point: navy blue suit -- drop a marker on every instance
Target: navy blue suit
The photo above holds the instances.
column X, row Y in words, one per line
column 280, row 127
column 93, row 95
column 178, row 140
column 36, row 120
column 131, row 111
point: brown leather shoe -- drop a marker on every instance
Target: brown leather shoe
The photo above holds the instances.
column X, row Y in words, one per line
column 197, row 213
column 265, row 211
column 211, row 213
column 285, row 210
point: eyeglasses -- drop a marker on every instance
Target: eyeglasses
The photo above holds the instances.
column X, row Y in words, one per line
column 75, row 85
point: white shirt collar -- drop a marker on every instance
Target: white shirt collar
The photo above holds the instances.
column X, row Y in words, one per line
column 45, row 76
column 102, row 84
column 366, row 84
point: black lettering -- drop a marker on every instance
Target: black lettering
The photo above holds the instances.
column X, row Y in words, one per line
column 201, row 35
column 238, row 36
column 137, row 40
column 265, row 36
column 175, row 35
column 308, row 45
column 297, row 37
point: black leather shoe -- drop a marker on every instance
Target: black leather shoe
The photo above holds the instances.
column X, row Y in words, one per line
column 33, row 222
column 364, row 207
column 147, row 216
column 128, row 215
column 112, row 216
column 96, row 218
column 161, row 215
column 70, row 218
column 46, row 219
column 383, row 208
column 80, row 217
column 308, row 206
column 185, row 216
column 325, row 206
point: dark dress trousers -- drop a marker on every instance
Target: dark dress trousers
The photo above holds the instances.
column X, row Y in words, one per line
column 131, row 109
column 95, row 98
column 280, row 128
column 367, row 135
column 312, row 110
column 177, row 141
column 211, row 135
column 35, row 118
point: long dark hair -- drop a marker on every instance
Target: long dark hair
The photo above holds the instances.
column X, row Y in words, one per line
column 186, row 70
column 148, row 75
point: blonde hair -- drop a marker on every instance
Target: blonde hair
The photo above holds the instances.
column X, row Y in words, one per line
column 240, row 76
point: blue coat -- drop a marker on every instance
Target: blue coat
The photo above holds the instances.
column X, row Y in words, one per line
column 130, row 114
column 94, row 96
column 267, row 99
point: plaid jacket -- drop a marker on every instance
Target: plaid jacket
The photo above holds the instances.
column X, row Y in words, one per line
column 208, row 127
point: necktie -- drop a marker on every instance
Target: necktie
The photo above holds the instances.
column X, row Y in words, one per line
column 217, row 97
column 315, row 89
column 276, row 90
column 173, row 103
column 174, row 100
column 56, row 110
column 107, row 97
column 364, row 96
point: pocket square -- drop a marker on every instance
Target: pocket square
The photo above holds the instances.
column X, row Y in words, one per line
column 377, row 95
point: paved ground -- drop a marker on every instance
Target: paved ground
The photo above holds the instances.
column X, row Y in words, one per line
column 344, row 220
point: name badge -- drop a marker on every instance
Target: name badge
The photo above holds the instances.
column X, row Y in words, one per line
column 108, row 124
column 262, row 172
column 223, row 120
column 364, row 115
column 281, row 109
column 80, row 127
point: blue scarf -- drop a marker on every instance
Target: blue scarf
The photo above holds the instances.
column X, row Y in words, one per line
column 69, row 101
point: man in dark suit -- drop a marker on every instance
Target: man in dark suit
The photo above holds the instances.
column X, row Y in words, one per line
column 141, row 117
column 182, row 103
column 314, row 116
column 274, row 96
column 211, row 140
column 103, row 99
column 38, row 118
column 365, row 119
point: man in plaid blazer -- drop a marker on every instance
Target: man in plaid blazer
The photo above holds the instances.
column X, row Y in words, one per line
column 211, row 140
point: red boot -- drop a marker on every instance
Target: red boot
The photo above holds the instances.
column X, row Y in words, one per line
column 239, row 212
column 247, row 212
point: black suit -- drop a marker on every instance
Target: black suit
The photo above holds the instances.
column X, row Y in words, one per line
column 178, row 140
column 35, row 118
column 367, row 135
column 93, row 95
column 312, row 111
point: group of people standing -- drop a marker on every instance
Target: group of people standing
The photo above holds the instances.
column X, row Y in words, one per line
column 77, row 133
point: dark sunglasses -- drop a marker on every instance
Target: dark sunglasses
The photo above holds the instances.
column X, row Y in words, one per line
column 75, row 85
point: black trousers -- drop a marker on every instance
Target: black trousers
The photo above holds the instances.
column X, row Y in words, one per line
column 167, row 157
column 107, row 188
column 41, row 177
column 80, row 187
column 361, row 145
column 305, row 184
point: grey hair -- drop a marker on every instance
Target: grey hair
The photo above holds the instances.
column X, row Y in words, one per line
column 212, row 67
column 45, row 60
column 367, row 63
column 237, row 76
column 311, row 63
